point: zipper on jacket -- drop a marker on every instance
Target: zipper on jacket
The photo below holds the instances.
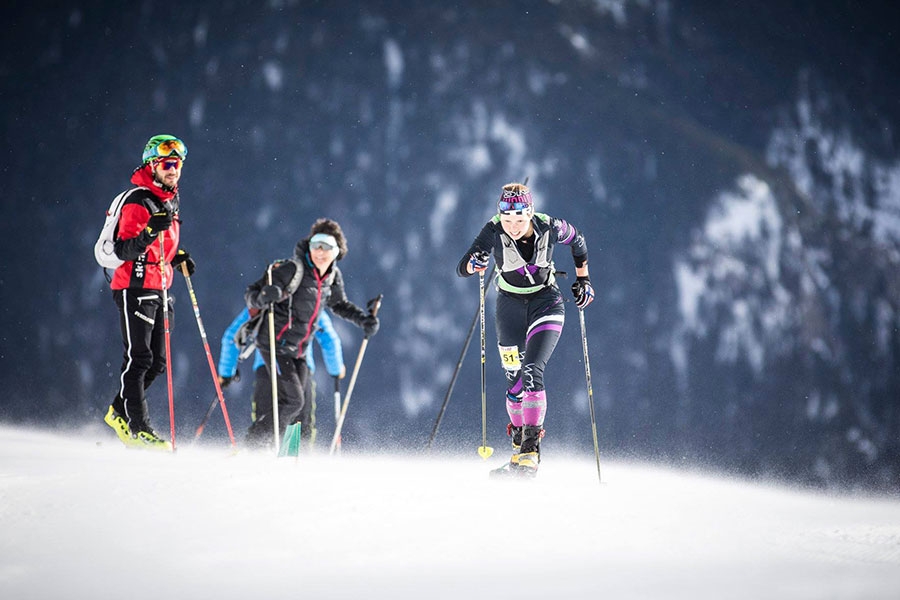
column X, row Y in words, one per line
column 312, row 319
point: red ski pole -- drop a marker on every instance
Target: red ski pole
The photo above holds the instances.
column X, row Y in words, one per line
column 168, row 336
column 209, row 358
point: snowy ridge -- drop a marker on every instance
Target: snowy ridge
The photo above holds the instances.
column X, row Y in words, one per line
column 91, row 519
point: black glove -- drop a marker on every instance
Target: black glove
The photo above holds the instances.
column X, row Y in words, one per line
column 583, row 292
column 184, row 257
column 369, row 325
column 159, row 221
column 269, row 294
column 224, row 382
column 479, row 261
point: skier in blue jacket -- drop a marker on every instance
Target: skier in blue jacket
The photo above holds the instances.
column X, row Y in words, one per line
column 332, row 354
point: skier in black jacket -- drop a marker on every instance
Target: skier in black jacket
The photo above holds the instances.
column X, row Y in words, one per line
column 530, row 312
column 321, row 284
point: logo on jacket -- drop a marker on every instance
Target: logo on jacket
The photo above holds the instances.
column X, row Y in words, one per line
column 139, row 266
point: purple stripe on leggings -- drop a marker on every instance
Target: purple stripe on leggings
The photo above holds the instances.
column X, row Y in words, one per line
column 545, row 327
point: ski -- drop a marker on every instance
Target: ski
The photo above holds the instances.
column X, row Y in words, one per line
column 512, row 471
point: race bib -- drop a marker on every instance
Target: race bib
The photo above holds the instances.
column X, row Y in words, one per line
column 509, row 356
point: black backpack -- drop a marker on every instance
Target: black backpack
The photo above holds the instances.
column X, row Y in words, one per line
column 247, row 334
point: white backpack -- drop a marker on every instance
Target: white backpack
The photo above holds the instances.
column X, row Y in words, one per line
column 105, row 248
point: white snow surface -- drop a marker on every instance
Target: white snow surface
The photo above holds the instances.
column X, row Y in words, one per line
column 83, row 517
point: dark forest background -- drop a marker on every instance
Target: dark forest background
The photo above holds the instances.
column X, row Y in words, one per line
column 734, row 167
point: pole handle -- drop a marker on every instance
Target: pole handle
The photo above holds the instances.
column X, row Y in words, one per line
column 374, row 305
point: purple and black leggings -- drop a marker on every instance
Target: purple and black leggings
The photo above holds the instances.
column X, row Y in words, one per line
column 528, row 328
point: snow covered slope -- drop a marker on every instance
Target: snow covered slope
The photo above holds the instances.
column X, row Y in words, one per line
column 85, row 518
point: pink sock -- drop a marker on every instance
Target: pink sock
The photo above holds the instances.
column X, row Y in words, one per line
column 514, row 409
column 533, row 407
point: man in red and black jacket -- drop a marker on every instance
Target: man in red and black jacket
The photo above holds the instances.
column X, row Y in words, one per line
column 147, row 241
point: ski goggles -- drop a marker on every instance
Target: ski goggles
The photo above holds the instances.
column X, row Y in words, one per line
column 507, row 206
column 322, row 241
column 170, row 163
column 168, row 148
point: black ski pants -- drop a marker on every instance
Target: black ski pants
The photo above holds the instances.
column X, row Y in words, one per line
column 144, row 359
column 308, row 412
column 262, row 392
column 291, row 377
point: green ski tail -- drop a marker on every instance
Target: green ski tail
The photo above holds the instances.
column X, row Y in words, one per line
column 290, row 446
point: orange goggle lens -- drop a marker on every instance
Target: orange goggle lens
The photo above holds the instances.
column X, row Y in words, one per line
column 171, row 147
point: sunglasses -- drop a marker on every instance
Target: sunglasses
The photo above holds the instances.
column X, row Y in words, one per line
column 321, row 246
column 505, row 205
column 169, row 163
column 170, row 147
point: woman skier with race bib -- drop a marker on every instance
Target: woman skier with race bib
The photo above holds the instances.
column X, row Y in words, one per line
column 529, row 309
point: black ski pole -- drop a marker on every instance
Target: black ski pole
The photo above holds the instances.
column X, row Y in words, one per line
column 214, row 403
column 462, row 355
column 587, row 376
column 209, row 412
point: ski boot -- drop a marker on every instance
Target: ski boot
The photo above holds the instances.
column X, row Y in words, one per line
column 530, row 452
column 144, row 437
column 521, row 464
column 147, row 438
column 119, row 425
column 515, row 435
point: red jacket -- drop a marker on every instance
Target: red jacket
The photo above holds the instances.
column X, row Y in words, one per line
column 139, row 249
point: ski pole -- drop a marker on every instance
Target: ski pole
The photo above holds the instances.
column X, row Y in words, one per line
column 462, row 355
column 484, row 451
column 168, row 336
column 273, row 365
column 587, row 375
column 337, row 408
column 375, row 305
column 209, row 358
column 212, row 407
column 209, row 412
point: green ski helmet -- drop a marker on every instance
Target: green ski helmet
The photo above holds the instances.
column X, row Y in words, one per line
column 162, row 146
